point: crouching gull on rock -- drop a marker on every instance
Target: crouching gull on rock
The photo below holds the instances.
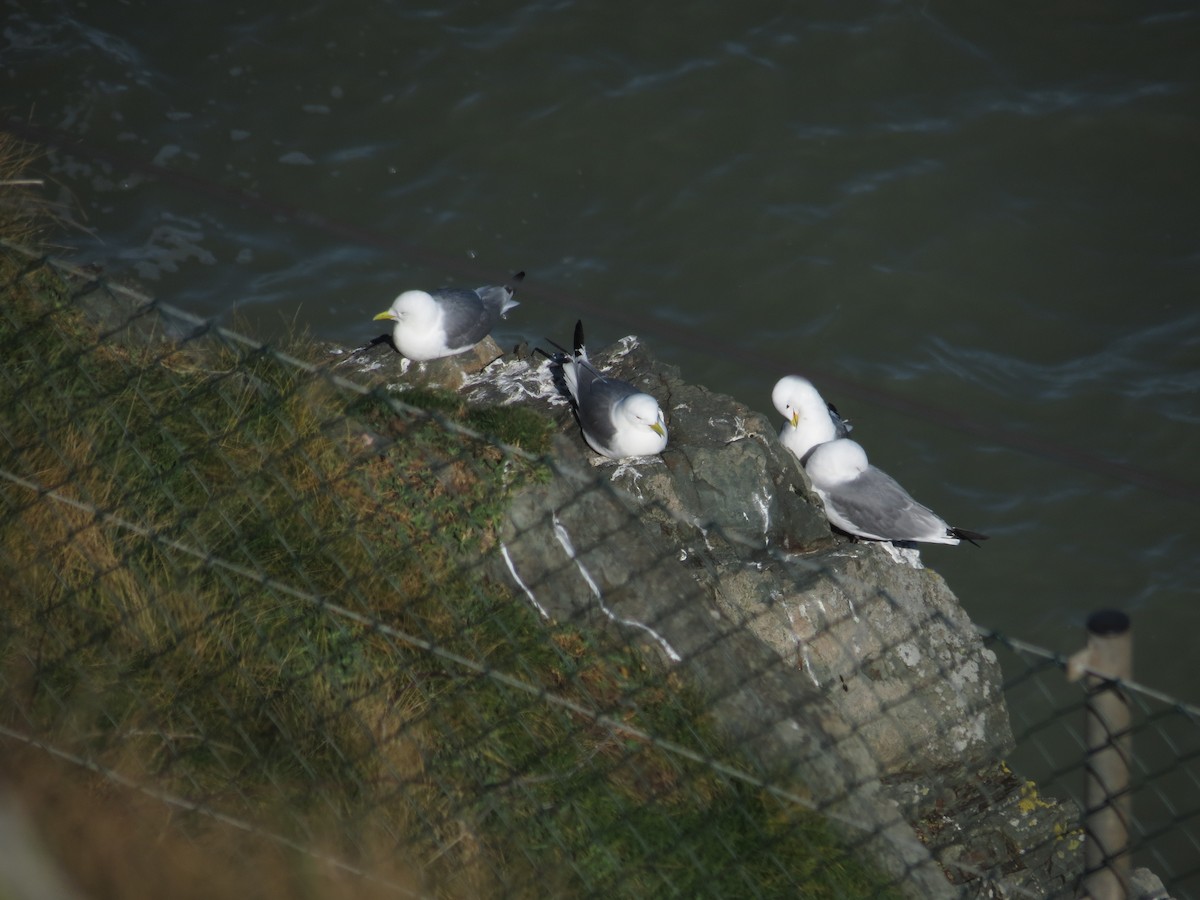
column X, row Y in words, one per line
column 810, row 420
column 616, row 418
column 447, row 321
column 867, row 502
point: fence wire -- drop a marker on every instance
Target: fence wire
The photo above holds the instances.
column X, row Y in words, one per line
column 1047, row 714
column 286, row 604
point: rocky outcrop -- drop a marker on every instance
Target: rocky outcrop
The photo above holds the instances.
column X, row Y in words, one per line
column 846, row 672
column 868, row 626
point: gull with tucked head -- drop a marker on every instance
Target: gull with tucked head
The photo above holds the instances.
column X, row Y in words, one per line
column 616, row 418
column 430, row 325
column 810, row 420
column 868, row 503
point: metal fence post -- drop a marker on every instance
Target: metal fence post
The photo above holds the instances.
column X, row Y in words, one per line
column 1107, row 659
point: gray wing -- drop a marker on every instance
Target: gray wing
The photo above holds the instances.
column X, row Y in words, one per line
column 497, row 299
column 841, row 427
column 877, row 506
column 466, row 318
column 597, row 395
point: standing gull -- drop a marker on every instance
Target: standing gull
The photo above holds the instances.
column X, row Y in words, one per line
column 447, row 321
column 810, row 420
column 616, row 418
column 867, row 502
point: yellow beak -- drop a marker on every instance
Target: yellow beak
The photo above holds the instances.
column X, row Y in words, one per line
column 658, row 429
column 795, row 415
column 384, row 315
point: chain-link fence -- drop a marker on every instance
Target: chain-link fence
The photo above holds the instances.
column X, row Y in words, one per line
column 1048, row 715
column 342, row 641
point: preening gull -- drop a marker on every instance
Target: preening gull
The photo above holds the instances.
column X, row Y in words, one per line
column 616, row 418
column 865, row 501
column 810, row 420
column 430, row 325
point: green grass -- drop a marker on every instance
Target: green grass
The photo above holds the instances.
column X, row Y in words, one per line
column 200, row 673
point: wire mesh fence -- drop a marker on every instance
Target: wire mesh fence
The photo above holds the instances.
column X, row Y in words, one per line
column 1048, row 716
column 418, row 641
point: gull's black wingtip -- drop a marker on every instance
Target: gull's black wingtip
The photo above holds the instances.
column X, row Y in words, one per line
column 518, row 278
column 971, row 537
column 578, row 344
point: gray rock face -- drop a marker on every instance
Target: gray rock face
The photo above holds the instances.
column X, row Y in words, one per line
column 573, row 547
column 990, row 821
column 847, row 672
column 884, row 640
column 914, row 677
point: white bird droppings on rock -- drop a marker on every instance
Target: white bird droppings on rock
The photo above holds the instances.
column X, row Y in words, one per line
column 516, row 380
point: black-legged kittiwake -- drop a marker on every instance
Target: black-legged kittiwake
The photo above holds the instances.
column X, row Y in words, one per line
column 616, row 418
column 867, row 502
column 810, row 420
column 430, row 325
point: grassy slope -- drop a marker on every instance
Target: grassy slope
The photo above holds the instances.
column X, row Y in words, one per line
column 213, row 682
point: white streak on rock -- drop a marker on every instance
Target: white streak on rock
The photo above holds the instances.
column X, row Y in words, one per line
column 624, row 468
column 521, row 584
column 905, row 556
column 560, row 533
column 806, row 659
column 564, row 539
column 359, row 362
column 703, row 533
column 739, row 430
column 517, row 380
column 627, row 465
column 763, row 502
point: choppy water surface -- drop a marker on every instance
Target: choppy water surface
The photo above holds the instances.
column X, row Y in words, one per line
column 973, row 225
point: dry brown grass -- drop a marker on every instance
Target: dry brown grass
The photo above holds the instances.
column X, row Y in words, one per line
column 223, row 675
column 27, row 216
column 150, row 661
column 115, row 844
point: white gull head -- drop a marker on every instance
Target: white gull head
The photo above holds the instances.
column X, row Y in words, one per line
column 641, row 429
column 809, row 419
column 418, row 331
